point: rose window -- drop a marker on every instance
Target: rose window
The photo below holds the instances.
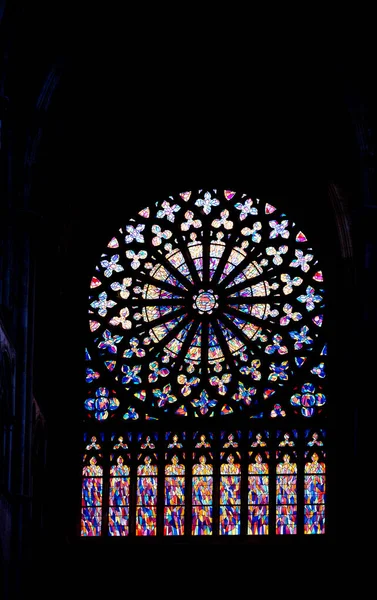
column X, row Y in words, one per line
column 208, row 303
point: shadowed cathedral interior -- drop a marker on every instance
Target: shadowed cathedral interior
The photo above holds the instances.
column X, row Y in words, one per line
column 93, row 131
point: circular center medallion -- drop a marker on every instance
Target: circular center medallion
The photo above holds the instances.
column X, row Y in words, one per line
column 205, row 301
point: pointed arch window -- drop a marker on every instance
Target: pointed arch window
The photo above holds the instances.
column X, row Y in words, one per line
column 206, row 358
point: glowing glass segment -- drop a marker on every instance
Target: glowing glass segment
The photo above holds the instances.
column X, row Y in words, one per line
column 258, row 494
column 230, row 497
column 314, row 491
column 202, row 489
column 202, row 486
column 146, row 498
column 205, row 302
column 119, row 498
column 286, row 494
column 92, row 485
column 174, row 497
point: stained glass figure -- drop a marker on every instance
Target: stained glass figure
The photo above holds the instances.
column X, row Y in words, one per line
column 119, row 488
column 286, row 492
column 230, row 497
column 92, row 486
column 146, row 487
column 258, row 483
column 174, row 509
column 315, row 486
column 202, row 485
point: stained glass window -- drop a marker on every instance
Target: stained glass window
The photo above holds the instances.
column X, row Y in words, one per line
column 206, row 357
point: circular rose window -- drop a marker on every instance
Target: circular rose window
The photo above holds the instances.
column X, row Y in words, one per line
column 206, row 303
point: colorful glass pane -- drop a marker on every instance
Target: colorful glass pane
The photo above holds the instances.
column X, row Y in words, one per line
column 315, row 488
column 146, row 498
column 286, row 494
column 202, row 490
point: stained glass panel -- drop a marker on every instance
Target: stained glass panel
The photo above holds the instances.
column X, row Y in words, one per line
column 174, row 510
column 286, row 491
column 315, row 483
column 146, row 486
column 119, row 486
column 202, row 484
column 92, row 487
column 258, row 483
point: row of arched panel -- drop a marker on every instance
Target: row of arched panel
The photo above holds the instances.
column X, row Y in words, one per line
column 201, row 484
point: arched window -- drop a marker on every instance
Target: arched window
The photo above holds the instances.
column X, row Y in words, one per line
column 206, row 371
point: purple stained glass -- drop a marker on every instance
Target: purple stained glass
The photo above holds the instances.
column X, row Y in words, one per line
column 286, row 520
column 258, row 489
column 92, row 491
column 314, row 519
column 147, row 491
column 118, row 521
column 174, row 490
column 230, row 490
column 146, row 520
column 201, row 520
column 258, row 520
column 174, row 520
column 286, row 489
column 119, row 491
column 230, row 520
column 315, row 489
column 91, row 518
column 202, row 490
